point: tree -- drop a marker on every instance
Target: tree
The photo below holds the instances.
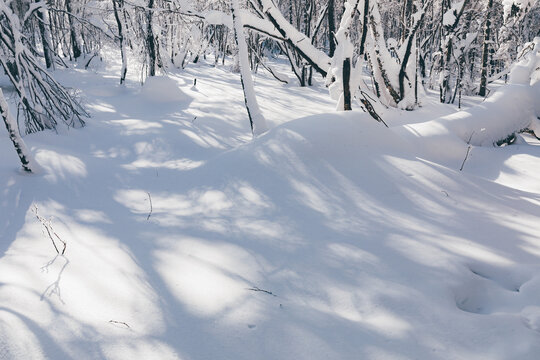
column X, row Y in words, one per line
column 42, row 101
column 256, row 119
column 24, row 154
column 485, row 49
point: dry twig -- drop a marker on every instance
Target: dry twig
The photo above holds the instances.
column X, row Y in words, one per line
column 47, row 224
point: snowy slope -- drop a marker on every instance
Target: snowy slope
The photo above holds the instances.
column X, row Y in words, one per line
column 330, row 237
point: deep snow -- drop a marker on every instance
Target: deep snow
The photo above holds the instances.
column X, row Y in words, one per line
column 329, row 237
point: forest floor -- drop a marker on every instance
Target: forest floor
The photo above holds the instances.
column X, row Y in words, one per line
column 329, row 237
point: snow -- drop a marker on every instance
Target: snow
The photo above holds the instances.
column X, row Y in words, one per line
column 449, row 17
column 162, row 89
column 328, row 237
column 521, row 4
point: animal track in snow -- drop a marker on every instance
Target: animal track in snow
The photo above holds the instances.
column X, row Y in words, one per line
column 488, row 289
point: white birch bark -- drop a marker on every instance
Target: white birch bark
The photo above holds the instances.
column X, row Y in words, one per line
column 24, row 154
column 256, row 119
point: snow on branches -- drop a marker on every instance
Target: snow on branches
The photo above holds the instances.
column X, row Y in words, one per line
column 43, row 101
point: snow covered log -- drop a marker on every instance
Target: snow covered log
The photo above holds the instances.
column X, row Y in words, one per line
column 511, row 109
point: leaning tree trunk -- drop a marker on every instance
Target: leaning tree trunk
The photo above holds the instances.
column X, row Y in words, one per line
column 24, row 154
column 297, row 40
column 485, row 51
column 256, row 119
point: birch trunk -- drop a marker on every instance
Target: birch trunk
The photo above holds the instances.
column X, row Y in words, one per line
column 28, row 163
column 256, row 119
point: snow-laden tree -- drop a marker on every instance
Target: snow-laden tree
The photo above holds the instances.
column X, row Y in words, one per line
column 42, row 101
column 256, row 118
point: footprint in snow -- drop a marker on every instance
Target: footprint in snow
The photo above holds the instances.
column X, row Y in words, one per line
column 500, row 290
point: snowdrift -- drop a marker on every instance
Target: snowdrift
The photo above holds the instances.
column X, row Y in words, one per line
column 444, row 140
column 512, row 108
column 329, row 237
column 162, row 89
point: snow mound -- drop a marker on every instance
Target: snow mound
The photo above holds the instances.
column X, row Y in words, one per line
column 162, row 89
column 444, row 140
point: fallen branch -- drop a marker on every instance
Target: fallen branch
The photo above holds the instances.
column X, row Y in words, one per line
column 468, row 151
column 369, row 108
column 255, row 288
column 151, row 208
column 530, row 132
column 509, row 140
column 120, row 323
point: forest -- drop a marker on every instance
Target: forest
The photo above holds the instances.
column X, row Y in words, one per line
column 270, row 179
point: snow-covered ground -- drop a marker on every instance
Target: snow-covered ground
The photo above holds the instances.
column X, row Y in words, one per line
column 329, row 237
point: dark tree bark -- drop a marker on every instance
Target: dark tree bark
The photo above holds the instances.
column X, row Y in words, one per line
column 485, row 51
column 347, row 84
column 75, row 47
column 331, row 27
column 411, row 37
column 406, row 13
column 150, row 40
column 45, row 37
column 119, row 16
column 362, row 47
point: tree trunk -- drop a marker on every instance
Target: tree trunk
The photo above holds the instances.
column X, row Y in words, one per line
column 20, row 147
column 365, row 19
column 406, row 13
column 445, row 90
column 256, row 119
column 75, row 47
column 150, row 40
column 331, row 28
column 118, row 15
column 43, row 20
column 347, row 84
column 297, row 40
column 485, row 51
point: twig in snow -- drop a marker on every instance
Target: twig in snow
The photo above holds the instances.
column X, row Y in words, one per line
column 120, row 323
column 469, row 147
column 47, row 224
column 255, row 288
column 370, row 109
column 466, row 156
column 151, row 209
